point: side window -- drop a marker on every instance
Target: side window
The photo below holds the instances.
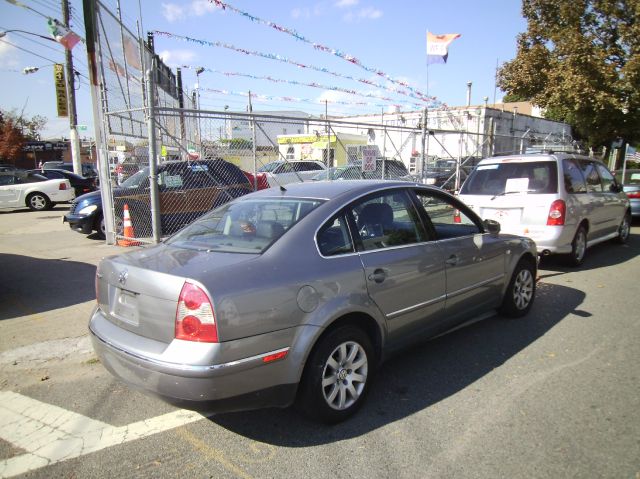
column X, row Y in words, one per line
column 51, row 174
column 333, row 238
column 592, row 177
column 573, row 179
column 285, row 168
column 7, row 180
column 608, row 181
column 448, row 220
column 388, row 220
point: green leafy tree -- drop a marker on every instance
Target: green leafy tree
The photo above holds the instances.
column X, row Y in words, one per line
column 580, row 60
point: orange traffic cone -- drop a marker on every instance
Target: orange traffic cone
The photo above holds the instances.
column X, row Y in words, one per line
column 128, row 230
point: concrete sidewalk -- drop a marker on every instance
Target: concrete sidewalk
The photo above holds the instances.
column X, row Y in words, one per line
column 46, row 280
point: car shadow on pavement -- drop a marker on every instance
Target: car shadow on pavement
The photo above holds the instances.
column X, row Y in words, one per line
column 420, row 377
column 598, row 256
column 34, row 285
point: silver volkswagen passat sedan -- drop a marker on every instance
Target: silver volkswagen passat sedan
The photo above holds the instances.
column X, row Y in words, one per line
column 296, row 295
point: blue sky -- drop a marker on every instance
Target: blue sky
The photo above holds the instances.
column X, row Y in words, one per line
column 387, row 36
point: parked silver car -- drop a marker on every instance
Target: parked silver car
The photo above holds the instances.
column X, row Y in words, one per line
column 566, row 203
column 299, row 294
column 283, row 172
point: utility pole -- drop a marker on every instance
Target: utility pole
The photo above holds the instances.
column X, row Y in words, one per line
column 71, row 99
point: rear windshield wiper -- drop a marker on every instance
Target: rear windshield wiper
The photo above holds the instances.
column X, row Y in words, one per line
column 509, row 192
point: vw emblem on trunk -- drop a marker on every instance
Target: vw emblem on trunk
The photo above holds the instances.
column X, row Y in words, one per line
column 122, row 277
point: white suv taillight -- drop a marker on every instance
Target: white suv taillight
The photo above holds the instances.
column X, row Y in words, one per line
column 62, row 186
column 557, row 213
column 195, row 319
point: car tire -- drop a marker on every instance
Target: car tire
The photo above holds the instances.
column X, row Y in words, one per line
column 519, row 296
column 39, row 202
column 337, row 375
column 578, row 247
column 625, row 229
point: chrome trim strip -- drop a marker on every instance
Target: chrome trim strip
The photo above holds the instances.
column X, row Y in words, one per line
column 417, row 306
column 186, row 367
column 477, row 285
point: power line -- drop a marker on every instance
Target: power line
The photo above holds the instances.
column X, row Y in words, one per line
column 26, row 50
column 45, row 5
column 26, row 37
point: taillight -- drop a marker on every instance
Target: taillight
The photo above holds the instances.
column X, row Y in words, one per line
column 195, row 319
column 634, row 194
column 456, row 216
column 62, row 186
column 557, row 213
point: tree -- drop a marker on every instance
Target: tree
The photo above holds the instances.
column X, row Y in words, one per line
column 580, row 60
column 11, row 140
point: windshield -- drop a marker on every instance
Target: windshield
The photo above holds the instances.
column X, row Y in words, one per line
column 136, row 180
column 248, row 226
column 269, row 167
column 537, row 177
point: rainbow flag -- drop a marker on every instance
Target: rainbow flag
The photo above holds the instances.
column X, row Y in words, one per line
column 438, row 47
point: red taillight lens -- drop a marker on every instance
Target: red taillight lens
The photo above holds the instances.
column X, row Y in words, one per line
column 456, row 216
column 557, row 213
column 62, row 186
column 634, row 194
column 195, row 319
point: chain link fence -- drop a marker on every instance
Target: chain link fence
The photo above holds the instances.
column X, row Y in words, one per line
column 164, row 162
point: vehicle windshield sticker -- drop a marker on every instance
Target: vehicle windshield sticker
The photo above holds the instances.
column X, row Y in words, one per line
column 199, row 168
column 516, row 184
column 488, row 167
column 173, row 181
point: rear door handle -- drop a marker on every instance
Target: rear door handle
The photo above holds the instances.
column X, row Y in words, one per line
column 377, row 276
column 452, row 260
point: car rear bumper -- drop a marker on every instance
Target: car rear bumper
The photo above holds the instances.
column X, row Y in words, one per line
column 80, row 223
column 635, row 208
column 548, row 239
column 245, row 383
column 63, row 196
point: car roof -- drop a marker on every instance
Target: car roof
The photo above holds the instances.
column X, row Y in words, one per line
column 530, row 157
column 331, row 189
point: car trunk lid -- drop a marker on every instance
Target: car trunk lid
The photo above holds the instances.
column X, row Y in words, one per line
column 139, row 291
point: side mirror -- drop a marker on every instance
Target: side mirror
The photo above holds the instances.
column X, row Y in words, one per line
column 492, row 226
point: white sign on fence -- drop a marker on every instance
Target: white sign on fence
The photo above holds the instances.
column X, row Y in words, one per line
column 369, row 158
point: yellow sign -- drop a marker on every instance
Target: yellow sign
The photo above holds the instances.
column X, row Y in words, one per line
column 284, row 140
column 61, row 89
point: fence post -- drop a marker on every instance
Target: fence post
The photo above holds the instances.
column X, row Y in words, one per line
column 253, row 145
column 153, row 160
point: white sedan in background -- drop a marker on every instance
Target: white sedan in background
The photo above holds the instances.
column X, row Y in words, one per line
column 19, row 188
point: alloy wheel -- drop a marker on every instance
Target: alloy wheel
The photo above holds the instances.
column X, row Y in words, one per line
column 344, row 375
column 523, row 289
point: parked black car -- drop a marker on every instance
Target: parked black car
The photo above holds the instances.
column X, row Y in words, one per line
column 88, row 170
column 187, row 189
column 80, row 184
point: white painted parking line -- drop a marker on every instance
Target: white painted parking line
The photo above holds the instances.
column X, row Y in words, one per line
column 51, row 434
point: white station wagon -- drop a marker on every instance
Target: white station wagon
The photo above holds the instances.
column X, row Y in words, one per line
column 564, row 202
column 19, row 189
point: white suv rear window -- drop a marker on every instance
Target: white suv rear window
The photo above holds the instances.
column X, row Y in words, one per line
column 537, row 177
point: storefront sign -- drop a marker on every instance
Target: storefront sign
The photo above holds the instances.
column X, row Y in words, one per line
column 61, row 89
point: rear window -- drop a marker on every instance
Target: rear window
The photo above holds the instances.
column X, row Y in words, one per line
column 536, row 177
column 249, row 226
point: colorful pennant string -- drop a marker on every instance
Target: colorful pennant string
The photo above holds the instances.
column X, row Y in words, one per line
column 271, row 56
column 267, row 98
column 312, row 84
column 349, row 58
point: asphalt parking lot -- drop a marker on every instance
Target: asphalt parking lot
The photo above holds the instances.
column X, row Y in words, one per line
column 555, row 394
